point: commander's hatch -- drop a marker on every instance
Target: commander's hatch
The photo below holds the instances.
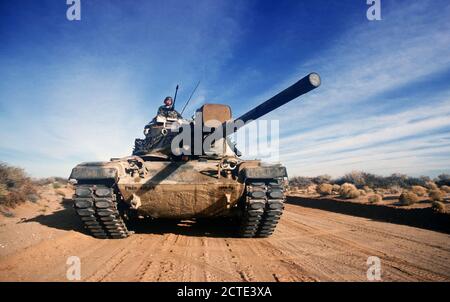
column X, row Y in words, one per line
column 214, row 113
column 214, row 116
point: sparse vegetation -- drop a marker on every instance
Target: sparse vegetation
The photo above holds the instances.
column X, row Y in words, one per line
column 367, row 181
column 375, row 198
column 436, row 195
column 51, row 181
column 431, row 186
column 443, row 180
column 361, row 179
column 367, row 189
column 446, row 189
column 300, row 182
column 321, row 179
column 56, row 185
column 438, row 206
column 336, row 188
column 324, row 189
column 15, row 186
column 419, row 190
column 408, row 198
column 349, row 191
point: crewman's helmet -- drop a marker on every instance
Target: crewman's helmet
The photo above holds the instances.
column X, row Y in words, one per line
column 168, row 101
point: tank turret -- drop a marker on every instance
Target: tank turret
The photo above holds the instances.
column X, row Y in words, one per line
column 161, row 131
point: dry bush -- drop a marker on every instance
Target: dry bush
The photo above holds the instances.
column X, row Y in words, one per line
column 349, row 191
column 380, row 192
column 311, row 190
column 443, row 180
column 300, row 182
column 436, row 195
column 419, row 190
column 15, row 186
column 336, row 188
column 431, row 185
column 324, row 189
column 3, row 192
column 321, row 179
column 446, row 189
column 408, row 198
column 376, row 198
column 395, row 190
column 438, row 207
column 367, row 189
column 56, row 185
column 353, row 194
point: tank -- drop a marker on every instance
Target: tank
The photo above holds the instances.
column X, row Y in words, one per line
column 187, row 169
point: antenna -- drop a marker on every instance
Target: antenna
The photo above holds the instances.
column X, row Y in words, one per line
column 187, row 102
column 175, row 97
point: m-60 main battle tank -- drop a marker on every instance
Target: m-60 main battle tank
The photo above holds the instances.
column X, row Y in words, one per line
column 181, row 179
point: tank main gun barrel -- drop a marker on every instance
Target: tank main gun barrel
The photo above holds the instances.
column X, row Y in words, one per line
column 305, row 85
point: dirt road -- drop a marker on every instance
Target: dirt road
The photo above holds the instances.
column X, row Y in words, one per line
column 309, row 245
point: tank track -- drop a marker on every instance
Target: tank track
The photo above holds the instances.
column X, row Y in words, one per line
column 263, row 208
column 96, row 205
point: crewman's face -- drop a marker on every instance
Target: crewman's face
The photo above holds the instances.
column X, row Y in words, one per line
column 168, row 102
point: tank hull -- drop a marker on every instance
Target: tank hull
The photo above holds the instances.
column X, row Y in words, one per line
column 182, row 190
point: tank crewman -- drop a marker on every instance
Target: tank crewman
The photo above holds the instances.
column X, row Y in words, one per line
column 167, row 109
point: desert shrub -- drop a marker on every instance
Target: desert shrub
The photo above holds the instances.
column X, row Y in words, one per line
column 431, row 186
column 375, row 198
column 305, row 182
column 3, row 192
column 436, row 195
column 61, row 180
column 446, row 189
column 7, row 213
column 56, row 185
column 380, row 191
column 438, row 207
column 15, row 186
column 336, row 188
column 395, row 190
column 367, row 189
column 50, row 181
column 393, row 184
column 408, row 198
column 324, row 189
column 356, row 178
column 443, row 180
column 300, row 182
column 312, row 189
column 349, row 191
column 33, row 197
column 419, row 190
column 361, row 179
column 347, row 187
column 353, row 194
column 321, row 179
column 44, row 181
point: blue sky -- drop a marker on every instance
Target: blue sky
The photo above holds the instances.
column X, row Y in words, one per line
column 82, row 91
